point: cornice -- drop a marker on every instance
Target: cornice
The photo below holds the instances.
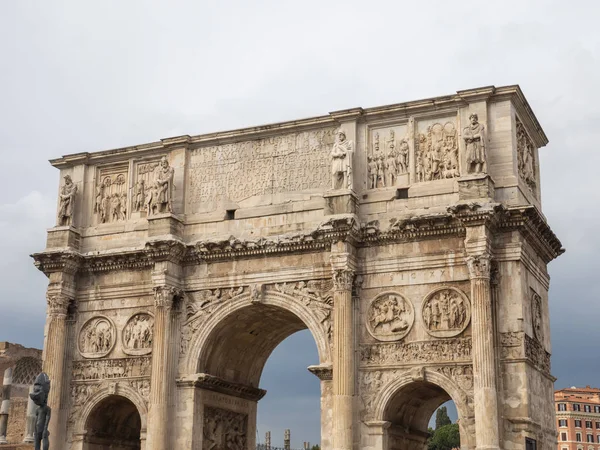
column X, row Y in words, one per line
column 216, row 384
column 66, row 261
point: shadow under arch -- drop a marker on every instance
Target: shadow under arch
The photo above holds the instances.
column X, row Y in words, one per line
column 120, row 400
column 237, row 338
column 408, row 402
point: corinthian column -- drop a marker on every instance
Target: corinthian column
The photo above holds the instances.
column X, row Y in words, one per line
column 162, row 369
column 343, row 359
column 54, row 364
column 484, row 355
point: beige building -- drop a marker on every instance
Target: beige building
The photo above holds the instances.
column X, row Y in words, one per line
column 407, row 238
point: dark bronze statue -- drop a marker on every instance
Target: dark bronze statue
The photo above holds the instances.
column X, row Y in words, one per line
column 41, row 388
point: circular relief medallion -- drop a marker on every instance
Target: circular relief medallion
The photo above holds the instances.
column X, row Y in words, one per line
column 390, row 317
column 97, row 337
column 446, row 312
column 138, row 334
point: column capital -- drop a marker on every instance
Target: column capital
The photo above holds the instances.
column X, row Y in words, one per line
column 165, row 295
column 58, row 304
column 479, row 266
column 343, row 279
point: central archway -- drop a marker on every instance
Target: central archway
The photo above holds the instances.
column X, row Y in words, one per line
column 228, row 353
column 113, row 423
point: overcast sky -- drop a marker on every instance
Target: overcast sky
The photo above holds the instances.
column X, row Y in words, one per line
column 85, row 76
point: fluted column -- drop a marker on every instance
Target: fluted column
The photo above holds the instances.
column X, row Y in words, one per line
column 162, row 362
column 484, row 354
column 54, row 364
column 343, row 359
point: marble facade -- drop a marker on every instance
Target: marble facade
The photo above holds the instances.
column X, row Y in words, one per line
column 408, row 239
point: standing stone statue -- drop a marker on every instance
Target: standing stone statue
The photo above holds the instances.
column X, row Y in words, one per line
column 341, row 167
column 67, row 202
column 41, row 388
column 162, row 196
column 474, row 136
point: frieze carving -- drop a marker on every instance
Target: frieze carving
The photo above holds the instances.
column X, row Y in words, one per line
column 537, row 354
column 536, row 316
column 441, row 350
column 479, row 266
column 474, row 136
column 138, row 334
column 273, row 165
column 68, row 191
column 144, row 181
column 526, row 157
column 370, row 384
column 110, row 201
column 224, row 429
column 517, row 345
column 112, row 368
column 390, row 316
column 341, row 162
column 446, row 312
column 437, row 153
column 97, row 337
column 159, row 195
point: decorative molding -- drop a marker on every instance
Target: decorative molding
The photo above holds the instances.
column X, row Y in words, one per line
column 217, row 384
column 58, row 304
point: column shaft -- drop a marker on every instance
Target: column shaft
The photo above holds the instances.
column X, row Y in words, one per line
column 343, row 361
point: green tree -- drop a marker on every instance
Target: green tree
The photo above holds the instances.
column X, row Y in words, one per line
column 441, row 418
column 445, row 437
column 315, row 447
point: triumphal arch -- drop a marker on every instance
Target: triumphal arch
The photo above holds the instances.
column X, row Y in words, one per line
column 408, row 239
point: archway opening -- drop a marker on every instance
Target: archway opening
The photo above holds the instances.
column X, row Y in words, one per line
column 113, row 423
column 410, row 411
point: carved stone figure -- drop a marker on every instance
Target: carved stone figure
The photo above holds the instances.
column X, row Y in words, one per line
column 67, row 202
column 525, row 156
column 224, row 429
column 446, row 312
column 474, row 136
column 110, row 202
column 402, row 163
column 97, row 337
column 536, row 316
column 439, row 350
column 139, row 195
column 341, row 165
column 437, row 153
column 390, row 317
column 138, row 334
column 160, row 200
column 372, row 169
column 41, row 389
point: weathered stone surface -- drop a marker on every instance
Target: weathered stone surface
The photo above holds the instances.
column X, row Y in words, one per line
column 407, row 238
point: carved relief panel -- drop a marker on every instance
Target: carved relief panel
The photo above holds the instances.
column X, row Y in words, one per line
column 110, row 200
column 526, row 158
column 536, row 316
column 138, row 334
column 388, row 156
column 224, row 429
column 97, row 337
column 143, row 177
column 446, row 312
column 390, row 316
column 436, row 150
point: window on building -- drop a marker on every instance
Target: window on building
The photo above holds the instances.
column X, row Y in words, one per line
column 598, row 425
column 597, row 409
column 598, row 439
column 562, row 422
column 588, row 424
column 563, row 436
column 590, row 438
column 576, row 407
column 562, row 406
column 587, row 408
column 578, row 437
column 578, row 423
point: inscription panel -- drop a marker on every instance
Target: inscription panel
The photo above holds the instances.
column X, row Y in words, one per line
column 235, row 172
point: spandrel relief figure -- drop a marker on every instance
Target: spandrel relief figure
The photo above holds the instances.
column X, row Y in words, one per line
column 390, row 317
column 67, row 202
column 474, row 136
column 160, row 197
column 341, row 166
column 96, row 338
column 41, row 389
column 525, row 155
column 446, row 312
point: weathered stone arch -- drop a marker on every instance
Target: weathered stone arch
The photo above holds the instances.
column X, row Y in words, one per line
column 198, row 348
column 427, row 376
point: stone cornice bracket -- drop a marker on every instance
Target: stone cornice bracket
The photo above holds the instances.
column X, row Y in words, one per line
column 58, row 304
column 171, row 250
column 475, row 214
column 322, row 371
column 479, row 266
column 339, row 228
column 68, row 262
column 165, row 296
column 217, row 384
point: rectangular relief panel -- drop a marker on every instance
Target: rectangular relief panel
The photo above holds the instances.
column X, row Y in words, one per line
column 236, row 173
column 436, row 149
column 389, row 156
column 110, row 200
column 143, row 182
